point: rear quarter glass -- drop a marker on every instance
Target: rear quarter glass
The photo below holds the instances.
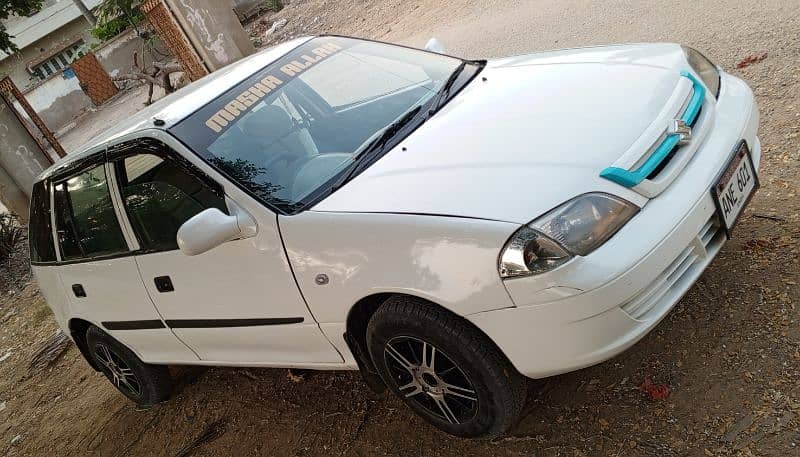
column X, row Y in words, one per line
column 40, row 229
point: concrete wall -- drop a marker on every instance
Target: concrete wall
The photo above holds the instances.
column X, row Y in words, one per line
column 15, row 65
column 116, row 55
column 213, row 29
column 12, row 199
column 21, row 160
column 58, row 100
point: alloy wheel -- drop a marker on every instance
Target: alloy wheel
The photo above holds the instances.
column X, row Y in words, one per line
column 122, row 375
column 427, row 376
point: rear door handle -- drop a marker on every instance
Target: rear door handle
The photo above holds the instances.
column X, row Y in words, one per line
column 78, row 290
column 164, row 284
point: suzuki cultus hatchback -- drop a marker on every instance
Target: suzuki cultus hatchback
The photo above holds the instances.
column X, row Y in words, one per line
column 448, row 227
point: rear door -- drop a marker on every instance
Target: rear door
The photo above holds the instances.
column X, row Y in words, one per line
column 235, row 304
column 96, row 267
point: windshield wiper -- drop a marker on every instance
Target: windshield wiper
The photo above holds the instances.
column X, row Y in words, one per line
column 441, row 96
column 376, row 145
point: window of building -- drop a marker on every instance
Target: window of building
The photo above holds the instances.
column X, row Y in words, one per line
column 59, row 61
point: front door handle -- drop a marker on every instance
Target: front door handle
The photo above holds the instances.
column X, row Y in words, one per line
column 164, row 284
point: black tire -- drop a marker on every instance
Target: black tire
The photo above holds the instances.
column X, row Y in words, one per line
column 143, row 383
column 483, row 394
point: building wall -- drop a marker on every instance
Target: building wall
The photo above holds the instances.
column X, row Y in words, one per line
column 213, row 29
column 58, row 100
column 15, row 65
column 21, row 160
column 116, row 55
column 12, row 198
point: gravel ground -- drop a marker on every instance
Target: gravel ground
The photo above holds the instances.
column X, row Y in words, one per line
column 729, row 352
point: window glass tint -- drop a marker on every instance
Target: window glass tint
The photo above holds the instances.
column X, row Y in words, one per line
column 160, row 196
column 40, row 229
column 85, row 219
column 344, row 80
column 292, row 127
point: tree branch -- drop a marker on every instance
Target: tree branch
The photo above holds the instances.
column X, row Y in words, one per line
column 168, row 67
column 140, row 77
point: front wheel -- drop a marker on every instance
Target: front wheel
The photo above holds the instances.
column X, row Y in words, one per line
column 143, row 383
column 445, row 369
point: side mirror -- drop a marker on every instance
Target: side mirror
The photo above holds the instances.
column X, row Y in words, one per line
column 434, row 45
column 211, row 228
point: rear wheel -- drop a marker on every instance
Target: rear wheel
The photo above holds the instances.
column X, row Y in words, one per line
column 143, row 383
column 444, row 369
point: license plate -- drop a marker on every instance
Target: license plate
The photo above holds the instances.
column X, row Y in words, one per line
column 735, row 186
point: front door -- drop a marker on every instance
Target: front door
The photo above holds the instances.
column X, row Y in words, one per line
column 236, row 304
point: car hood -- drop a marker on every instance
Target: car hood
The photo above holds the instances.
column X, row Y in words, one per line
column 528, row 134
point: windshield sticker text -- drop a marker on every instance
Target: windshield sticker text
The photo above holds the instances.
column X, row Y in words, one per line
column 242, row 102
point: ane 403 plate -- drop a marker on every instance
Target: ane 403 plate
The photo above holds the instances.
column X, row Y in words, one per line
column 736, row 186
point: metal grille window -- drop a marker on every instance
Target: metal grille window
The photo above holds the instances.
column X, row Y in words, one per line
column 58, row 62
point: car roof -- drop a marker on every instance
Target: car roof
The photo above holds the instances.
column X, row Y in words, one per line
column 177, row 106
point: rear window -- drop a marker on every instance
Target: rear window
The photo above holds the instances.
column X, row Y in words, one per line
column 40, row 230
column 86, row 223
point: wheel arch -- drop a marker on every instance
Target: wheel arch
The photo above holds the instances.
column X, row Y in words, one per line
column 77, row 329
column 356, row 336
column 356, row 331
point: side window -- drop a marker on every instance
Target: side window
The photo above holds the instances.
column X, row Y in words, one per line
column 160, row 196
column 40, row 228
column 86, row 223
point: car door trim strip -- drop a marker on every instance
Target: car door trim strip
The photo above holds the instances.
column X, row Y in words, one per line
column 134, row 325
column 199, row 323
column 221, row 323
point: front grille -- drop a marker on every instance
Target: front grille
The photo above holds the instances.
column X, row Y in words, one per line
column 654, row 174
column 677, row 277
column 652, row 170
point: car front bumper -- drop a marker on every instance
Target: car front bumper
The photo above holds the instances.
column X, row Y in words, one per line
column 597, row 306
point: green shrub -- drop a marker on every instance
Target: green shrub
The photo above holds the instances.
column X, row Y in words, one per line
column 11, row 234
column 113, row 21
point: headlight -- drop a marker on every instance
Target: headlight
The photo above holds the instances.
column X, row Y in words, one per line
column 708, row 72
column 577, row 227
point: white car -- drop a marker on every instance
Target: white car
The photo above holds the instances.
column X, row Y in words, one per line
column 448, row 227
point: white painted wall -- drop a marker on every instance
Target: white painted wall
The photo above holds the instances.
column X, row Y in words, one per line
column 58, row 101
column 106, row 53
column 116, row 55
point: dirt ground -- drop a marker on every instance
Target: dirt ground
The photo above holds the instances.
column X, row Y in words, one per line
column 729, row 352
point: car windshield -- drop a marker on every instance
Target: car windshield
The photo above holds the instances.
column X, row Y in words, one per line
column 286, row 133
